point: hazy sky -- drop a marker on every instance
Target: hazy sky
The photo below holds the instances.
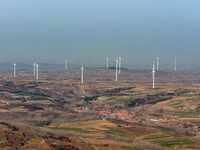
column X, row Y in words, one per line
column 138, row 29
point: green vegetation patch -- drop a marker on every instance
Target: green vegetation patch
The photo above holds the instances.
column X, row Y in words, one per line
column 178, row 104
column 175, row 141
column 115, row 100
column 92, row 98
column 27, row 94
column 2, row 142
column 155, row 136
column 188, row 114
column 165, row 130
column 115, row 131
column 166, row 140
column 111, row 98
column 80, row 130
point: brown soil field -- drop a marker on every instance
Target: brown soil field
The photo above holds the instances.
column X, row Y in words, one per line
column 90, row 125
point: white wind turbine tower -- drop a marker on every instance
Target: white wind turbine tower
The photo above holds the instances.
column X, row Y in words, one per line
column 175, row 64
column 34, row 68
column 82, row 74
column 116, row 69
column 120, row 64
column 107, row 62
column 66, row 64
column 14, row 74
column 37, row 71
column 157, row 63
column 153, row 75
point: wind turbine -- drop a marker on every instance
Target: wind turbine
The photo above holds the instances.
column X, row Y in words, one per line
column 107, row 62
column 82, row 74
column 175, row 64
column 116, row 68
column 66, row 64
column 120, row 64
column 34, row 68
column 14, row 69
column 37, row 71
column 153, row 75
column 157, row 63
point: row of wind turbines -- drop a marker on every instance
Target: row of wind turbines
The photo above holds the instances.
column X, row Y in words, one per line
column 66, row 67
column 118, row 66
column 118, row 62
column 153, row 70
column 174, row 63
column 35, row 70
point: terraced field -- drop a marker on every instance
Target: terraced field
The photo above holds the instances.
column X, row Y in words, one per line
column 167, row 140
